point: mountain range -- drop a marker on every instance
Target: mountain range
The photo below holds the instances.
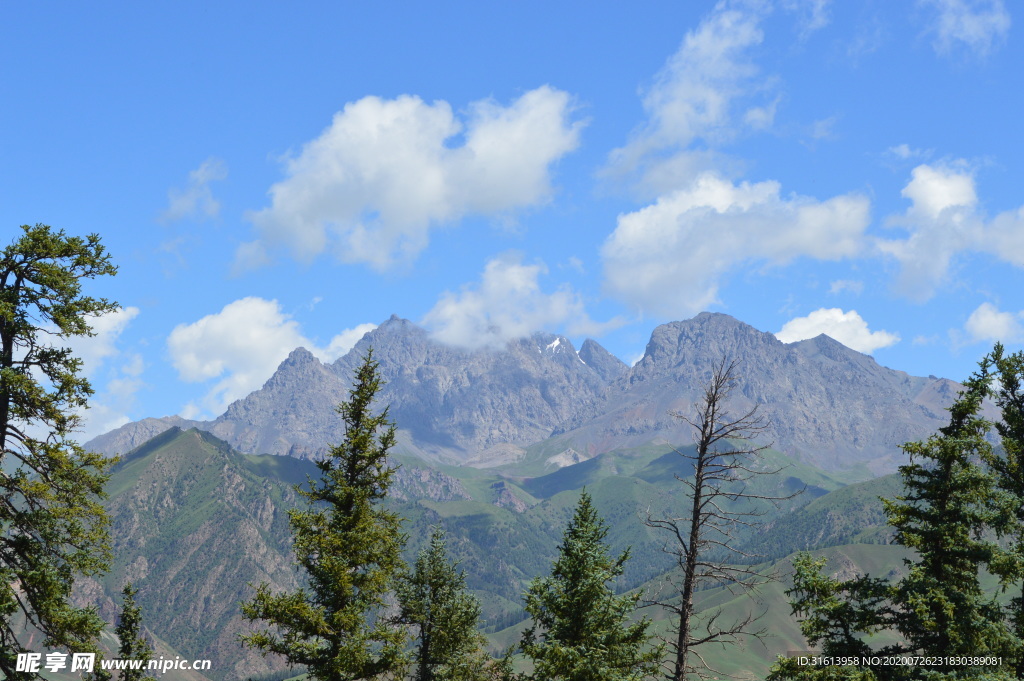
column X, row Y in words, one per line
column 827, row 404
column 495, row 446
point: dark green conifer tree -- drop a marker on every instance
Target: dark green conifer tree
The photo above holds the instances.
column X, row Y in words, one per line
column 581, row 629
column 349, row 547
column 434, row 600
column 939, row 609
column 134, row 645
column 1008, row 393
column 951, row 500
column 52, row 526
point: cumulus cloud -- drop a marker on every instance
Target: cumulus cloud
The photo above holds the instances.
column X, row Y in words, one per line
column 669, row 258
column 385, row 172
column 941, row 222
column 933, row 190
column 196, row 198
column 944, row 220
column 976, row 25
column 241, row 346
column 988, row 323
column 846, row 327
column 507, row 303
column 695, row 97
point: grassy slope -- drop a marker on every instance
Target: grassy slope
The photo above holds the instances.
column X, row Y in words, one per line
column 196, row 522
column 193, row 524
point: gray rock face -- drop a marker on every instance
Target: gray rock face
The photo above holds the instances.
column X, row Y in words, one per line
column 607, row 365
column 294, row 413
column 450, row 404
column 827, row 404
column 471, row 401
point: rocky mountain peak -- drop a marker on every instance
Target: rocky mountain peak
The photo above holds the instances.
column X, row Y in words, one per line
column 299, row 357
column 607, row 365
column 828, row 404
column 552, row 344
column 825, row 346
column 707, row 334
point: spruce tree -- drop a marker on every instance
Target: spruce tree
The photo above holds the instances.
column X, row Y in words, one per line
column 134, row 645
column 1008, row 393
column 581, row 629
column 950, row 501
column 52, row 526
column 938, row 609
column 434, row 600
column 348, row 546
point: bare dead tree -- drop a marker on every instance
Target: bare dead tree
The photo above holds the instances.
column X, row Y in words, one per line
column 724, row 459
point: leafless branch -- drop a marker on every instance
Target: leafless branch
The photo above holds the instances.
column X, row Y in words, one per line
column 724, row 459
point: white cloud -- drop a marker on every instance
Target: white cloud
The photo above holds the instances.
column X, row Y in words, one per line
column 109, row 407
column 693, row 98
column 905, row 152
column 902, row 151
column 762, row 117
column 943, row 221
column 1004, row 236
column 852, row 285
column 242, row 345
column 977, row 25
column 813, row 14
column 384, row 173
column 935, row 189
column 96, row 349
column 115, row 386
column 343, row 342
column 196, row 199
column 846, row 327
column 508, row 303
column 988, row 323
column 824, row 129
column 668, row 258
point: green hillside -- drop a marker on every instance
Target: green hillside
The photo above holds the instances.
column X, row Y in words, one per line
column 195, row 523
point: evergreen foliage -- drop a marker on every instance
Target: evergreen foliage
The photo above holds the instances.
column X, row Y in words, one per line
column 349, row 547
column 952, row 503
column 134, row 645
column 52, row 526
column 584, row 634
column 1009, row 469
column 435, row 601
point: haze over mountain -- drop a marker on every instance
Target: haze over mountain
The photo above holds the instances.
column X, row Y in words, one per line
column 827, row 404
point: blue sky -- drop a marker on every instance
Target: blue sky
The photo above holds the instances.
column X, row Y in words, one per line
column 270, row 175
